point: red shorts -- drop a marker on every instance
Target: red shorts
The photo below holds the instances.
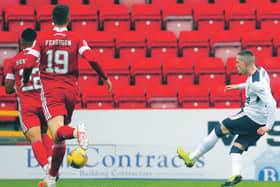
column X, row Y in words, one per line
column 59, row 98
column 32, row 116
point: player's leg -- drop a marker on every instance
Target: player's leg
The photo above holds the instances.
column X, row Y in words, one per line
column 46, row 139
column 206, row 145
column 33, row 135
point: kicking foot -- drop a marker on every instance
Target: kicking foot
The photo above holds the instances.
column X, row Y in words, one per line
column 233, row 180
column 49, row 181
column 82, row 138
column 185, row 156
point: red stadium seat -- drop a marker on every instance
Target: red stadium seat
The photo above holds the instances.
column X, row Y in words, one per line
column 240, row 17
column 194, row 96
column 260, row 3
column 270, row 64
column 131, row 44
column 268, row 16
column 194, row 44
column 162, row 96
column 114, row 18
column 276, row 43
column 37, row 3
column 259, row 41
column 225, row 44
column 9, row 45
column 84, row 18
column 97, row 97
column 100, row 3
column 117, row 70
column 162, row 44
column 44, row 17
column 88, row 80
column 163, row 3
column 102, row 43
column 276, row 93
column 225, row 3
column 177, row 18
column 195, row 3
column 129, row 3
column 210, row 71
column 70, row 2
column 20, row 17
column 7, row 102
column 178, row 71
column 148, row 20
column 209, row 17
column 5, row 4
column 221, row 99
column 146, row 71
column 1, row 21
column 231, row 68
column 130, row 97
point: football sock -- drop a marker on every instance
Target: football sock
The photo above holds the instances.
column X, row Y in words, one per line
column 40, row 153
column 236, row 163
column 207, row 144
column 64, row 132
column 58, row 154
column 48, row 143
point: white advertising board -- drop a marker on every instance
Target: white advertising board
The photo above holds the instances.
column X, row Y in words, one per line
column 142, row 144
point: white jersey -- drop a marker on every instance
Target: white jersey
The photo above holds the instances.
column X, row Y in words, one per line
column 260, row 105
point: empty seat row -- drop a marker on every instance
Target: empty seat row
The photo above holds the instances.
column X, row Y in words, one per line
column 178, row 17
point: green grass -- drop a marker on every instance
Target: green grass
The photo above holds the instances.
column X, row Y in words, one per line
column 135, row 183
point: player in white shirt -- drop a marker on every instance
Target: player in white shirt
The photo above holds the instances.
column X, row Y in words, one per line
column 253, row 121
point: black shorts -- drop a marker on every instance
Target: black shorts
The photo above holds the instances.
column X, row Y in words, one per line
column 244, row 127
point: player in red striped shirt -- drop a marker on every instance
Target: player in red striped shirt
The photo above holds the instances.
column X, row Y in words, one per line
column 31, row 114
column 59, row 50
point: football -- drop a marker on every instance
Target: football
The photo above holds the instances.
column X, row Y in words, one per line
column 77, row 158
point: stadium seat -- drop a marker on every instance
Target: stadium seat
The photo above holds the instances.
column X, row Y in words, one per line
column 209, row 17
column 71, row 2
column 225, row 3
column 100, row 3
column 97, row 97
column 131, row 44
column 195, row 3
column 88, row 80
column 84, row 67
column 117, row 70
column 177, row 18
column 221, row 99
column 44, row 17
column 162, row 96
column 148, row 20
column 9, row 45
column 276, row 93
column 114, row 18
column 102, row 43
column 194, row 96
column 84, row 18
column 7, row 102
column 270, row 64
column 132, row 96
column 129, row 3
column 194, row 44
column 162, row 44
column 225, row 44
column 260, row 3
column 240, row 17
column 268, row 16
column 36, row 3
column 20, row 17
column 5, row 4
column 276, row 44
column 163, row 3
column 258, row 41
column 1, row 21
column 146, row 71
column 178, row 71
column 210, row 71
column 230, row 68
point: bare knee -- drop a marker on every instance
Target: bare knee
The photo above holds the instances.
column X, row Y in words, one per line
column 33, row 134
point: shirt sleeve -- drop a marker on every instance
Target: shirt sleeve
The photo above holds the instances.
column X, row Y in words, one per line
column 269, row 102
column 241, row 86
column 9, row 70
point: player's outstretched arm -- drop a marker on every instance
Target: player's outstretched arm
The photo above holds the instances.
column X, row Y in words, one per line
column 109, row 84
column 231, row 87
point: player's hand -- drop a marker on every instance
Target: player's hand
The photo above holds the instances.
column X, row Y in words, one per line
column 109, row 84
column 262, row 130
column 231, row 87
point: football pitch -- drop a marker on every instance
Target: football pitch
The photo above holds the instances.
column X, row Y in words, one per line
column 135, row 183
